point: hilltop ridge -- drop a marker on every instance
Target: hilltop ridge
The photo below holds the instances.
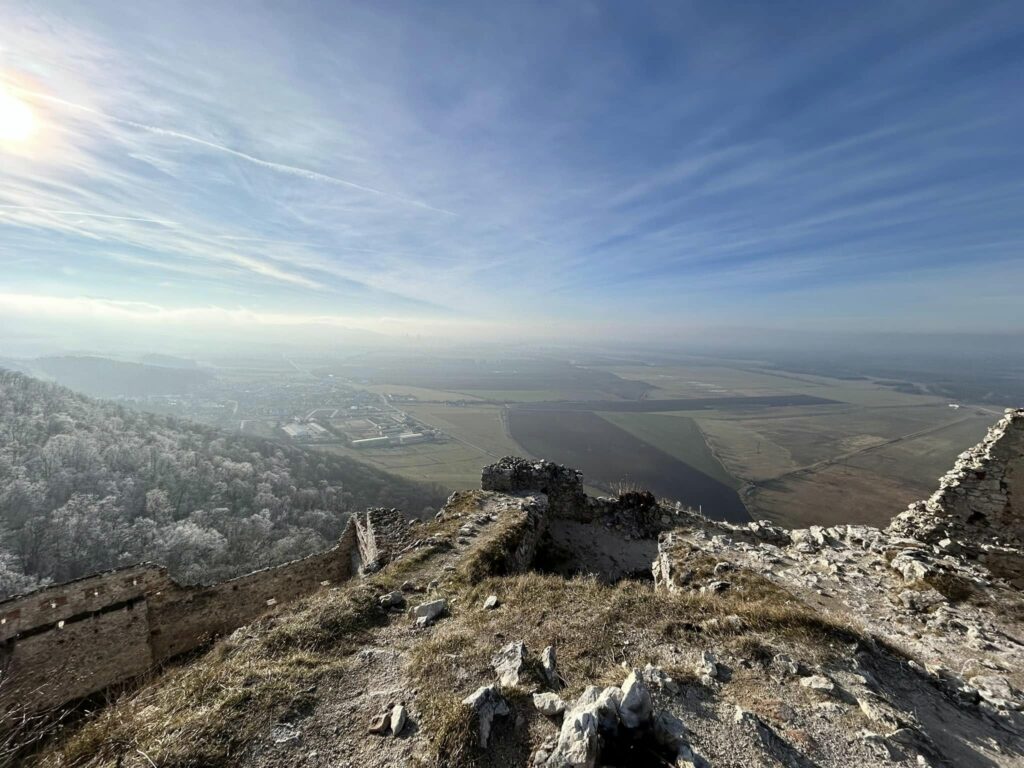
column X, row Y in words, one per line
column 530, row 624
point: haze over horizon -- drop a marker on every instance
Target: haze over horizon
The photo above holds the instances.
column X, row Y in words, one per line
column 536, row 171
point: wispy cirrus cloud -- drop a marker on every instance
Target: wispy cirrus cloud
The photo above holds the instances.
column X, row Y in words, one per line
column 304, row 173
column 535, row 162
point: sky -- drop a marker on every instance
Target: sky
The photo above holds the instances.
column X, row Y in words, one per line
column 526, row 170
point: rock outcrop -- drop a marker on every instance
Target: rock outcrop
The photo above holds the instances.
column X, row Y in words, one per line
column 978, row 509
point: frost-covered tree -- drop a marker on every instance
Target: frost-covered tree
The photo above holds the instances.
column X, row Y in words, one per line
column 87, row 485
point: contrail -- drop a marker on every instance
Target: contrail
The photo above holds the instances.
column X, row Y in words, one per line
column 280, row 167
column 246, row 239
column 86, row 214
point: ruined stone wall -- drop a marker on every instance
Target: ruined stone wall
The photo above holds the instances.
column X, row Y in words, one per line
column 46, row 607
column 531, row 530
column 44, row 670
column 68, row 641
column 73, row 639
column 380, row 533
column 563, row 486
column 180, row 619
column 979, row 505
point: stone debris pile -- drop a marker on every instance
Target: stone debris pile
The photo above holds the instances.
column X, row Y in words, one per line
column 619, row 721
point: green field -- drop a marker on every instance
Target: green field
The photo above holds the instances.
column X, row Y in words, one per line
column 479, row 426
column 528, row 395
column 452, row 464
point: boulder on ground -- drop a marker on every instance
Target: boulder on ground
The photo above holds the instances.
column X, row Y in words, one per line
column 392, row 599
column 398, row 718
column 636, row 706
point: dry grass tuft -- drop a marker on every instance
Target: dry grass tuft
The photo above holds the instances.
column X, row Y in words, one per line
column 595, row 628
column 208, row 712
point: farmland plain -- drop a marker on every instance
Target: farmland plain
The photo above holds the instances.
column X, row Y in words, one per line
column 603, row 450
column 796, row 448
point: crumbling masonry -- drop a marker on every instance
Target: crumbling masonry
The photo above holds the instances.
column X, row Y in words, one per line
column 64, row 642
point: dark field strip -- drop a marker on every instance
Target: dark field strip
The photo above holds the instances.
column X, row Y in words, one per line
column 688, row 404
column 608, row 455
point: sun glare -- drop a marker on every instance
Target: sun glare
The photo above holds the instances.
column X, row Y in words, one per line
column 17, row 123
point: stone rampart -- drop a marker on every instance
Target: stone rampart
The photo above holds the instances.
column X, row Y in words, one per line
column 380, row 534
column 67, row 641
column 979, row 505
column 562, row 486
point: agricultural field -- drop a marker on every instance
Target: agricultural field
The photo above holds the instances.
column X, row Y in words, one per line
column 527, row 395
column 498, row 378
column 742, row 381
column 452, row 465
column 420, row 393
column 861, row 465
column 730, row 437
column 613, row 457
column 481, row 427
column 678, row 436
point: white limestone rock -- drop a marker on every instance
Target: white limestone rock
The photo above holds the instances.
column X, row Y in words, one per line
column 818, row 684
column 398, row 719
column 508, row 663
column 596, row 710
column 486, row 704
column 427, row 613
column 706, row 666
column 550, row 704
column 549, row 666
column 636, row 707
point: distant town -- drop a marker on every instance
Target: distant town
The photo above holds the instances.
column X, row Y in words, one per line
column 304, row 411
column 360, row 425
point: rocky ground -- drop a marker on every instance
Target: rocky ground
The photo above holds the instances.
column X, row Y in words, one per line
column 527, row 626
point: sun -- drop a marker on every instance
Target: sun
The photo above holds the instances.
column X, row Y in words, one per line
column 17, row 123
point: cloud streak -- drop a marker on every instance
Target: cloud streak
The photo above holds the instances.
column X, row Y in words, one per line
column 293, row 170
column 536, row 165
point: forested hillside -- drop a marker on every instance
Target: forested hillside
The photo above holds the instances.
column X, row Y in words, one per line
column 87, row 485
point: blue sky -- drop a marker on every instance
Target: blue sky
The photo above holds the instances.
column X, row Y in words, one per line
column 500, row 170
